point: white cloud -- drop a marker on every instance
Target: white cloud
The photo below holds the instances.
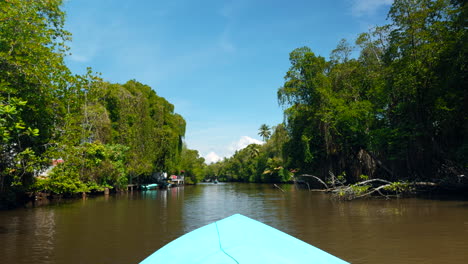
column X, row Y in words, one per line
column 243, row 142
column 218, row 151
column 366, row 7
column 212, row 158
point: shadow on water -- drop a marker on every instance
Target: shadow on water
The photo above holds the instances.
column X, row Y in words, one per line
column 445, row 197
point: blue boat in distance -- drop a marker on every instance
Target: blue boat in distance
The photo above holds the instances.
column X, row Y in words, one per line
column 239, row 239
column 149, row 186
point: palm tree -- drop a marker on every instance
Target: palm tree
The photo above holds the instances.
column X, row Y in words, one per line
column 253, row 150
column 264, row 132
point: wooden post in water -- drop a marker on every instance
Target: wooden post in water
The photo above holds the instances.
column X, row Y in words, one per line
column 106, row 191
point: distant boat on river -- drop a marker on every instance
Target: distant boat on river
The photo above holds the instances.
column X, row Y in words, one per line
column 149, row 186
column 239, row 239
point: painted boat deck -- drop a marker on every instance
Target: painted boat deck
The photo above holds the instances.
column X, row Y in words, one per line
column 239, row 239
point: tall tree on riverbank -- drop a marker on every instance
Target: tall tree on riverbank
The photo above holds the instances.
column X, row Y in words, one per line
column 191, row 165
column 32, row 71
column 146, row 123
column 104, row 132
column 399, row 110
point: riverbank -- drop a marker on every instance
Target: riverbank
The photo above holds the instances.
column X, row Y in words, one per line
column 38, row 199
column 362, row 190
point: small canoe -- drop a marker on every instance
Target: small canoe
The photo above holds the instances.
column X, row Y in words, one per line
column 239, row 239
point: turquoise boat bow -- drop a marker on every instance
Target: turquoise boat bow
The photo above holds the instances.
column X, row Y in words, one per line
column 239, row 239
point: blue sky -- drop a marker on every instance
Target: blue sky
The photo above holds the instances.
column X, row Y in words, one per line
column 219, row 62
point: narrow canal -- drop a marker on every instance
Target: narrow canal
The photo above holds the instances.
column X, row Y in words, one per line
column 128, row 227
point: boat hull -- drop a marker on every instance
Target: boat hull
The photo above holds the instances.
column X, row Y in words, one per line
column 239, row 239
column 149, row 186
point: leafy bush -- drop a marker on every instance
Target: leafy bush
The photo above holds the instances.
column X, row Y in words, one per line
column 88, row 167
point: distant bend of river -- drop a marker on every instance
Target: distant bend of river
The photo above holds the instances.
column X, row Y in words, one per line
column 126, row 228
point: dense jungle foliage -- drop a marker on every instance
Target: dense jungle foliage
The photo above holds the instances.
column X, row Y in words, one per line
column 392, row 106
column 106, row 134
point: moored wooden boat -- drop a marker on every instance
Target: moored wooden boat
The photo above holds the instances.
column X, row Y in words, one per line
column 239, row 239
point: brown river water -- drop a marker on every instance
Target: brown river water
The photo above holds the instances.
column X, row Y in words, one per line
column 125, row 228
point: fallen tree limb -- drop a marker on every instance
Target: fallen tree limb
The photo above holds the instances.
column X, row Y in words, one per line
column 370, row 187
column 278, row 187
column 372, row 180
column 374, row 190
column 425, row 183
column 317, row 178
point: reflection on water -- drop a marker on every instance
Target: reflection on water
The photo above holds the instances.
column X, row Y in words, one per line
column 128, row 227
column 37, row 227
